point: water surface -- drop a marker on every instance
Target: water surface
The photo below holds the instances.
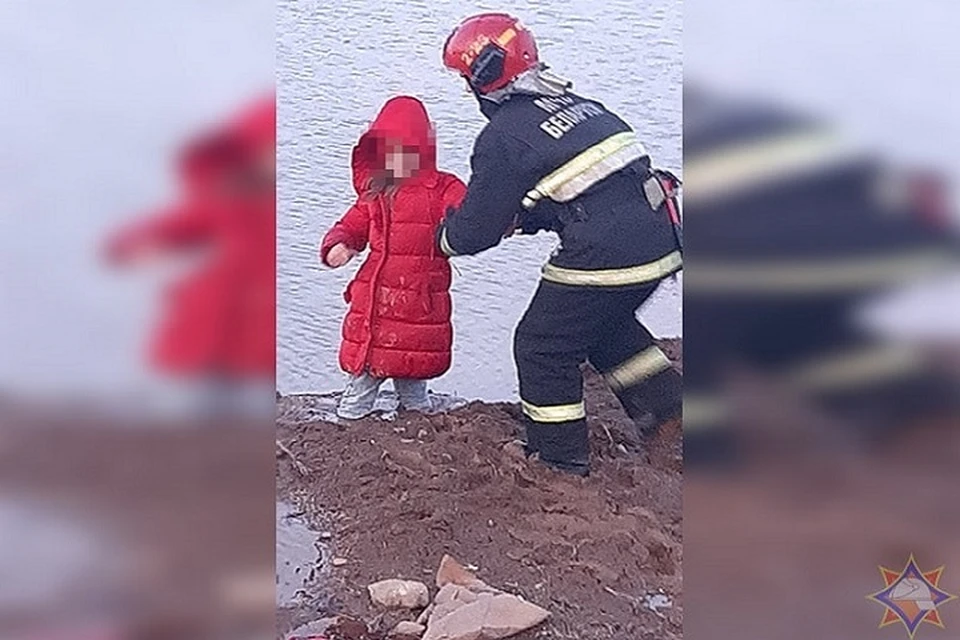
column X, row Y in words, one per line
column 338, row 62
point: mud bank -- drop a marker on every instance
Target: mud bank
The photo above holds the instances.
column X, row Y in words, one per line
column 181, row 519
column 789, row 547
column 603, row 554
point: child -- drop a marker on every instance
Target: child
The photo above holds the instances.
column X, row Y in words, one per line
column 217, row 331
column 398, row 325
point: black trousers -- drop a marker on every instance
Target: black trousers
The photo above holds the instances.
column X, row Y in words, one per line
column 565, row 326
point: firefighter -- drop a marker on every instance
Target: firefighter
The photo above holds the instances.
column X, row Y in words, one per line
column 549, row 159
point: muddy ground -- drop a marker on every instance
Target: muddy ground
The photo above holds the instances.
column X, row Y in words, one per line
column 183, row 516
column 603, row 554
column 789, row 546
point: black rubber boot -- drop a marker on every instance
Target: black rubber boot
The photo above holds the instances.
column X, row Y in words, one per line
column 653, row 402
column 563, row 446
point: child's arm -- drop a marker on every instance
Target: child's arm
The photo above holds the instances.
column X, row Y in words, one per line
column 453, row 192
column 351, row 231
column 178, row 227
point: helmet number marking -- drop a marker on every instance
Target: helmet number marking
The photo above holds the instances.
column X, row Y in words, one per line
column 474, row 50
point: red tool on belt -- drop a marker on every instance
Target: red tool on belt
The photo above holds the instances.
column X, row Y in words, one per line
column 663, row 189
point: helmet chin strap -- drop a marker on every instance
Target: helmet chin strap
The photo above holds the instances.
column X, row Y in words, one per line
column 537, row 81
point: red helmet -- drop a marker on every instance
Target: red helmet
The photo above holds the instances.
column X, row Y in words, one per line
column 490, row 50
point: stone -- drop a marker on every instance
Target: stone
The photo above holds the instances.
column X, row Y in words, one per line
column 656, row 601
column 315, row 629
column 452, row 572
column 489, row 617
column 425, row 615
column 466, row 608
column 399, row 594
column 407, row 628
column 339, row 562
column 454, row 593
column 450, row 598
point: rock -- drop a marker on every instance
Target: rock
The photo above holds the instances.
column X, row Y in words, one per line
column 407, row 628
column 454, row 593
column 315, row 629
column 466, row 608
column 339, row 562
column 450, row 598
column 399, row 594
column 452, row 572
column 656, row 601
column 489, row 617
column 425, row 615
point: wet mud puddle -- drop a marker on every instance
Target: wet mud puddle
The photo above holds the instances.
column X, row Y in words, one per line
column 54, row 567
column 302, row 557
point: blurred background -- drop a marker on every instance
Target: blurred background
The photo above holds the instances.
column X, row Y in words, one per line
column 135, row 453
column 99, row 100
column 821, row 303
column 337, row 63
column 821, row 299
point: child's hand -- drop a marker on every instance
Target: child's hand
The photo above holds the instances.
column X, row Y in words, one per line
column 340, row 255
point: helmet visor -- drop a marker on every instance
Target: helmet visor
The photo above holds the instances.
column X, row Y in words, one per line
column 488, row 67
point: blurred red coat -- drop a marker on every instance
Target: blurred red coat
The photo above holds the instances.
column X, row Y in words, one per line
column 220, row 319
column 398, row 324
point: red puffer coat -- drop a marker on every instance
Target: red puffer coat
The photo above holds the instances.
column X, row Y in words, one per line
column 398, row 325
column 220, row 318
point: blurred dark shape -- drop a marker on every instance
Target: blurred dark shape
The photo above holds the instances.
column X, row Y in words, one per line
column 218, row 329
column 790, row 230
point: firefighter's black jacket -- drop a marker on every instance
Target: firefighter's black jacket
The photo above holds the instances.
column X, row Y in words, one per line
column 610, row 225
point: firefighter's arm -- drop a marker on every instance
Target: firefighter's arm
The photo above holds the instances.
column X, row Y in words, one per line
column 492, row 202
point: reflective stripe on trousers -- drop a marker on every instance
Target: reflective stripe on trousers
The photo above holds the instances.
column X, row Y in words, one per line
column 638, row 274
column 554, row 413
column 635, row 370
